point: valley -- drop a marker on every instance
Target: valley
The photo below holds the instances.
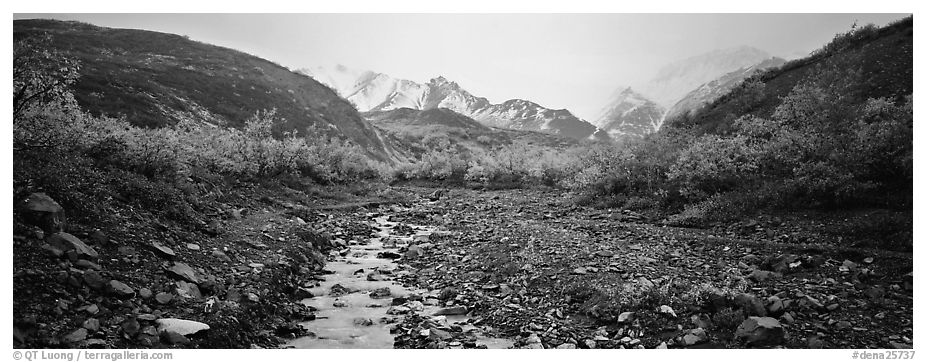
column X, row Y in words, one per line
column 169, row 193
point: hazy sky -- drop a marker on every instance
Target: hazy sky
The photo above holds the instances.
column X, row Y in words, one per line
column 572, row 61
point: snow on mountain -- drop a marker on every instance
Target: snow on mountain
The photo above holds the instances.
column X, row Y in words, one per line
column 675, row 80
column 371, row 91
column 629, row 113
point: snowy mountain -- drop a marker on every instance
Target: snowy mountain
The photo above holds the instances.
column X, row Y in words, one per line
column 372, row 91
column 712, row 90
column 629, row 113
column 673, row 81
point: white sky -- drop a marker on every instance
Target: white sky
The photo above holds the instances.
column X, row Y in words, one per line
column 572, row 61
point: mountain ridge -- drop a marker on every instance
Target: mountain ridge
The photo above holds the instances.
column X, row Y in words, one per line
column 372, row 91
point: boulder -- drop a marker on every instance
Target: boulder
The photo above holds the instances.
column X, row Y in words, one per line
column 694, row 336
column 94, row 280
column 750, row 304
column 182, row 327
column 761, row 331
column 76, row 336
column 69, row 243
column 163, row 250
column 120, row 289
column 41, row 210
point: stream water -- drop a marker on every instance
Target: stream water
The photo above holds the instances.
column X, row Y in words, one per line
column 359, row 318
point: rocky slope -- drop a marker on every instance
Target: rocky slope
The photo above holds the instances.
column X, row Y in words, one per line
column 371, row 91
column 157, row 79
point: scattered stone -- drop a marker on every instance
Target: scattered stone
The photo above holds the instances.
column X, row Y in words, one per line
column 604, row 253
column 626, row 317
column 566, row 346
column 761, row 331
column 192, row 246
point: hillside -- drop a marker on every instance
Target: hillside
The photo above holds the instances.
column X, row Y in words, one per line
column 372, row 91
column 708, row 92
column 883, row 58
column 156, row 79
column 409, row 129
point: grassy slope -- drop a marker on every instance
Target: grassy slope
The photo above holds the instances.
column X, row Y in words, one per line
column 154, row 79
column 886, row 63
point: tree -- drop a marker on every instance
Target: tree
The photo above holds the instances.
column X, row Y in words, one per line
column 41, row 75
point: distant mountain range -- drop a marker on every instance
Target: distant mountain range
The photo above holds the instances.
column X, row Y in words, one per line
column 679, row 87
column 372, row 91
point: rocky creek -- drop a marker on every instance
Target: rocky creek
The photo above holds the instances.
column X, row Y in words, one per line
column 359, row 303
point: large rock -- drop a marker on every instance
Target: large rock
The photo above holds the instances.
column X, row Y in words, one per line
column 182, row 327
column 185, row 272
column 120, row 289
column 761, row 331
column 67, row 243
column 163, row 250
column 750, row 304
column 41, row 210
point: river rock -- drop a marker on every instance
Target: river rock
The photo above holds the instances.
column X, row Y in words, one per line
column 180, row 326
column 761, row 331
